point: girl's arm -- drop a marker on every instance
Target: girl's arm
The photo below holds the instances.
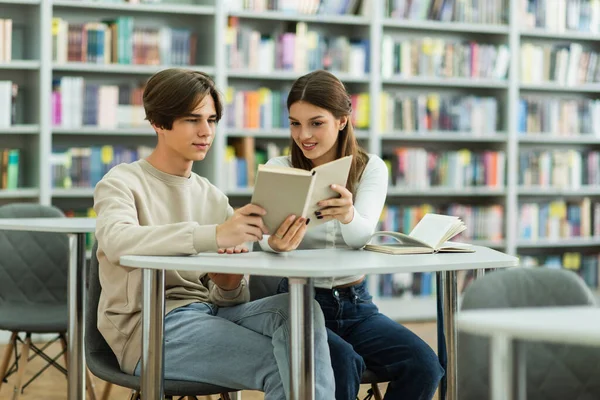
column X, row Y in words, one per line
column 368, row 204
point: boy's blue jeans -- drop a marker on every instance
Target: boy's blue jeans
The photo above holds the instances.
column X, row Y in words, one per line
column 242, row 347
column 360, row 337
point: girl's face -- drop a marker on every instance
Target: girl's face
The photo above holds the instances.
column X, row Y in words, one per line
column 315, row 130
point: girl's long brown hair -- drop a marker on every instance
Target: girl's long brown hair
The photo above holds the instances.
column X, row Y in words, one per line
column 323, row 89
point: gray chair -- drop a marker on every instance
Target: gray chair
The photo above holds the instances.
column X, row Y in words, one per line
column 554, row 371
column 264, row 286
column 33, row 290
column 102, row 362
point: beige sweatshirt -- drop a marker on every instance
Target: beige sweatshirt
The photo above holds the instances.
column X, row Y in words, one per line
column 144, row 211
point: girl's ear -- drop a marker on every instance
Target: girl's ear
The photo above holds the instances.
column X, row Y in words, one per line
column 343, row 122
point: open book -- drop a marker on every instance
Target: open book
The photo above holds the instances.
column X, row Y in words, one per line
column 282, row 191
column 431, row 235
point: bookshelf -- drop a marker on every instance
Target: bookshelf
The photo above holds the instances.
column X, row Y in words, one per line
column 34, row 68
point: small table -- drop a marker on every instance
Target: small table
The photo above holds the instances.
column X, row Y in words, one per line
column 300, row 267
column 570, row 325
column 77, row 227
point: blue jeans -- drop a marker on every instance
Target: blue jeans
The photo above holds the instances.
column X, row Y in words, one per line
column 241, row 347
column 360, row 338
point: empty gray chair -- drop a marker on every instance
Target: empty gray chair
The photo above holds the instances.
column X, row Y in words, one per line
column 102, row 362
column 33, row 289
column 554, row 371
column 264, row 286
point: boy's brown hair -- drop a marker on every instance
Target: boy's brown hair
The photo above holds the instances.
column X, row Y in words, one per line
column 174, row 93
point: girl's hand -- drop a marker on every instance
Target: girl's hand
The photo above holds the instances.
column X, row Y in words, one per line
column 234, row 250
column 289, row 234
column 341, row 208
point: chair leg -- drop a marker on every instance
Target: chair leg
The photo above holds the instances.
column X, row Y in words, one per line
column 106, row 393
column 225, row 396
column 22, row 367
column 63, row 343
column 135, row 395
column 376, row 391
column 90, row 385
column 7, row 356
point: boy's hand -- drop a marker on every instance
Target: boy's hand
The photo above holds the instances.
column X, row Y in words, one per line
column 234, row 250
column 289, row 234
column 245, row 225
column 341, row 208
column 226, row 281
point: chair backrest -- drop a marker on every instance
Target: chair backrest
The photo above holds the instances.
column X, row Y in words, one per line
column 33, row 265
column 94, row 341
column 263, row 286
column 553, row 371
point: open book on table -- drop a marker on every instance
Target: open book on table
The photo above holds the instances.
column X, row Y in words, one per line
column 430, row 235
column 283, row 191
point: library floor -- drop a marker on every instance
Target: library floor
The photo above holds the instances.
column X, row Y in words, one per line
column 52, row 385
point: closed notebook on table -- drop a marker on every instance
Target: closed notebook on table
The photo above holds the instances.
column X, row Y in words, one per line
column 430, row 235
column 283, row 191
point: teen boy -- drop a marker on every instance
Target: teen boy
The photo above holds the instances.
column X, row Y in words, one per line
column 158, row 206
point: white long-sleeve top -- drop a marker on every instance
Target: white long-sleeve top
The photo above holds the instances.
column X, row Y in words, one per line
column 368, row 204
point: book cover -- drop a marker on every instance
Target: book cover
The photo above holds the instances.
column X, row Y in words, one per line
column 283, row 191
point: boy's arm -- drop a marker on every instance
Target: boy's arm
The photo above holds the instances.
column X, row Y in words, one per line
column 119, row 233
column 224, row 298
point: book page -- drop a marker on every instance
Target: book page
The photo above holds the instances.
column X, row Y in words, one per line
column 401, row 239
column 335, row 172
column 435, row 229
column 455, row 247
column 284, row 170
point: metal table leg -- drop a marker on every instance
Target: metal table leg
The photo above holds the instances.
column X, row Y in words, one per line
column 153, row 318
column 76, row 296
column 302, row 373
column 447, row 333
column 502, row 359
column 520, row 370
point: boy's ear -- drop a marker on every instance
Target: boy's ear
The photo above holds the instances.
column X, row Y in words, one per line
column 157, row 129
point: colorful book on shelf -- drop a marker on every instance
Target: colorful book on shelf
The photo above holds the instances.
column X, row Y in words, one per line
column 283, row 191
column 430, row 235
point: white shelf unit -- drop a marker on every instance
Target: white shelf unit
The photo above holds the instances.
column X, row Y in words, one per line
column 29, row 129
column 19, row 194
column 158, row 8
column 292, row 17
column 559, row 192
column 93, row 131
column 20, row 65
column 448, row 82
column 439, row 26
column 214, row 14
column 442, row 136
column 122, row 69
column 551, row 139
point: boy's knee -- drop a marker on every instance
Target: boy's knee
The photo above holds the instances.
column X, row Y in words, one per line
column 318, row 316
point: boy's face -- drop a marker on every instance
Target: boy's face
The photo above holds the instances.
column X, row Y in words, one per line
column 192, row 135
